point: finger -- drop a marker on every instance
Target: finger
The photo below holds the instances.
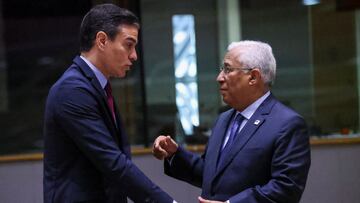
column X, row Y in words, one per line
column 160, row 156
column 159, row 153
column 170, row 140
column 156, row 142
column 159, row 140
column 201, row 200
column 160, row 150
column 163, row 143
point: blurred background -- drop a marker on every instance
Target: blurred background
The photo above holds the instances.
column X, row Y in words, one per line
column 172, row 88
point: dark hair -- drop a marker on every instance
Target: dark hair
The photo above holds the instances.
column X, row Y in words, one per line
column 106, row 18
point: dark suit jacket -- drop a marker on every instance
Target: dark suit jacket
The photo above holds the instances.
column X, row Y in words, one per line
column 86, row 156
column 268, row 162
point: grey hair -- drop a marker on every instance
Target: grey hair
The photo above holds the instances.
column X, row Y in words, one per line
column 257, row 55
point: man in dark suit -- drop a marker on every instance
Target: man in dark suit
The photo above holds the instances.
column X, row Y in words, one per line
column 258, row 151
column 87, row 155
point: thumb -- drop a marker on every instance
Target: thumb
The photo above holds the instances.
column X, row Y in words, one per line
column 201, row 200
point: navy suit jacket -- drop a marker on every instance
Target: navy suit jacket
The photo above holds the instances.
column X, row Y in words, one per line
column 86, row 155
column 268, row 162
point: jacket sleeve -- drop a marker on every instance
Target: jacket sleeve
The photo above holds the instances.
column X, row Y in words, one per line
column 186, row 166
column 78, row 113
column 289, row 168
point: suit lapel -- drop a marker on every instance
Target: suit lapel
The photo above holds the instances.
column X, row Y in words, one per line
column 241, row 139
column 252, row 125
column 124, row 143
column 90, row 75
column 100, row 94
column 218, row 136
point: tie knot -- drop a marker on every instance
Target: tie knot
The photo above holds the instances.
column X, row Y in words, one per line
column 239, row 118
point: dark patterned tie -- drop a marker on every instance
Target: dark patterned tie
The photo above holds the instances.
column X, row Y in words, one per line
column 235, row 126
column 110, row 98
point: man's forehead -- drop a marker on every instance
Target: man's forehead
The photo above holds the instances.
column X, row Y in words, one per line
column 129, row 32
column 232, row 56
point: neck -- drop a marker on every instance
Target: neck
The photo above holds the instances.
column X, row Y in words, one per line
column 94, row 59
column 254, row 95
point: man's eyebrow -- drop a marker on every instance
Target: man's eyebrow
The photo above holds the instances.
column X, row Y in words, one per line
column 131, row 39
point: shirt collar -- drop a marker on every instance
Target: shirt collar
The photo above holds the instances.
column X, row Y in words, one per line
column 250, row 110
column 101, row 78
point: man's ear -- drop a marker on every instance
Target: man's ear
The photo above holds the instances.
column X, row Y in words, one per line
column 255, row 76
column 101, row 40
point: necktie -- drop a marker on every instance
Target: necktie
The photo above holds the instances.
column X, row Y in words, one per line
column 235, row 126
column 110, row 98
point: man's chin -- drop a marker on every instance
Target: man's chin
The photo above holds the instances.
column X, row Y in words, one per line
column 119, row 75
column 225, row 99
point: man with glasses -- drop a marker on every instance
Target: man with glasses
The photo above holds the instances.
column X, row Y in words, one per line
column 258, row 151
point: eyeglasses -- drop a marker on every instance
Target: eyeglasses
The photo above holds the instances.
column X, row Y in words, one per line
column 226, row 69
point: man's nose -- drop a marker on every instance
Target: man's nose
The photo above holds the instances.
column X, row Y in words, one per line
column 220, row 77
column 133, row 55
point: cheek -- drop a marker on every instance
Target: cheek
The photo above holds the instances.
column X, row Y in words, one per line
column 235, row 88
column 232, row 84
column 117, row 51
column 122, row 56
